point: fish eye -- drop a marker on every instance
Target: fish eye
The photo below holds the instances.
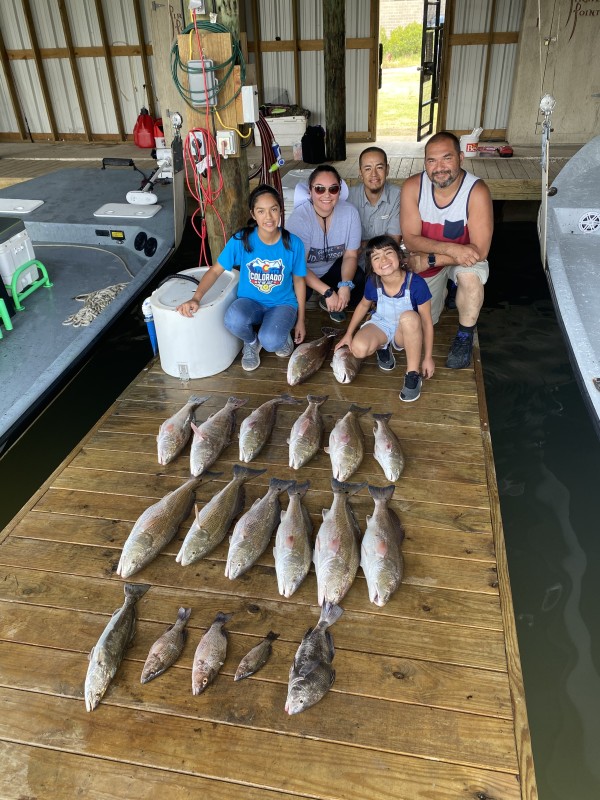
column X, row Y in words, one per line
column 204, row 681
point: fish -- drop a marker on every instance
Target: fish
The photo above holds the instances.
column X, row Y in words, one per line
column 387, row 450
column 156, row 527
column 345, row 365
column 107, row 654
column 307, row 433
column 381, row 555
column 256, row 658
column 167, row 648
column 308, row 357
column 258, row 426
column 347, row 444
column 293, row 549
column 253, row 530
column 210, row 654
column 311, row 674
column 174, row 433
column 213, row 436
column 212, row 522
column 336, row 553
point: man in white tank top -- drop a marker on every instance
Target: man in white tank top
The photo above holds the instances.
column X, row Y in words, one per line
column 447, row 220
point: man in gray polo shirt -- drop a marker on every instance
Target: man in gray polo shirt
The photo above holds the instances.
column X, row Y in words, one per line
column 378, row 204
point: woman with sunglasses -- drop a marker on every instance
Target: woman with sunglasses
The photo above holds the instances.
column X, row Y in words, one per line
column 271, row 291
column 330, row 230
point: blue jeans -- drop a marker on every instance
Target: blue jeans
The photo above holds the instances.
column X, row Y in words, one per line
column 274, row 322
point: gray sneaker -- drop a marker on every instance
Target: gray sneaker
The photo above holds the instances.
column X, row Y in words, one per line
column 250, row 357
column 287, row 349
column 411, row 390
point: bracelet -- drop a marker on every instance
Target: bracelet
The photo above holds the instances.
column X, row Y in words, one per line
column 349, row 284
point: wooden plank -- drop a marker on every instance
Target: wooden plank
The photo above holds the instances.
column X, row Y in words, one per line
column 110, row 70
column 39, row 64
column 139, row 27
column 66, row 29
column 12, row 90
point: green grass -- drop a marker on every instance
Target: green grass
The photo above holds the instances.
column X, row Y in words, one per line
column 397, row 104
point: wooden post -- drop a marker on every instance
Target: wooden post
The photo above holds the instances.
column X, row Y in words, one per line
column 85, row 118
column 40, row 68
column 334, row 56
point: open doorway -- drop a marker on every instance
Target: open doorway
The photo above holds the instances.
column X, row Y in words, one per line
column 410, row 46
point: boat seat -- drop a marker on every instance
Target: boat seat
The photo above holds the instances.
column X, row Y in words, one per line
column 4, row 317
column 43, row 281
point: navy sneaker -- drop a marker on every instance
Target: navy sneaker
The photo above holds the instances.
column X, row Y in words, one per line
column 334, row 316
column 411, row 390
column 385, row 358
column 461, row 349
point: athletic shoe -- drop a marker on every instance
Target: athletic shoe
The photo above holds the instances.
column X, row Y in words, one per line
column 334, row 316
column 385, row 358
column 451, row 296
column 287, row 349
column 250, row 357
column 459, row 356
column 411, row 390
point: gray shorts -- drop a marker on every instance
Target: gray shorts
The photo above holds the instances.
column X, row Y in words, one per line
column 437, row 284
column 383, row 325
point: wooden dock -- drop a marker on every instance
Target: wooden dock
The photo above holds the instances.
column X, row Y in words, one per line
column 428, row 700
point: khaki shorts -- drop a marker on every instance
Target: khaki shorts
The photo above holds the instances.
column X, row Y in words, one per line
column 437, row 284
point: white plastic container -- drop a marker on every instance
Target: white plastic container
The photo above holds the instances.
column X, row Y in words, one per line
column 199, row 346
column 15, row 252
column 468, row 144
column 286, row 130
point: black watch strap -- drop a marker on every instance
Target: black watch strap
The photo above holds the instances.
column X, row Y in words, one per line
column 431, row 260
column 328, row 293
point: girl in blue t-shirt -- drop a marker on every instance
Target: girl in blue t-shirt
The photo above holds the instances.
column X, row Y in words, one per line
column 402, row 316
column 272, row 289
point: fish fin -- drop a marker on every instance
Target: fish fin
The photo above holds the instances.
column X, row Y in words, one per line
column 330, row 645
column 330, row 613
column 184, row 614
column 330, row 332
column 358, row 410
column 307, row 667
column 196, row 429
column 282, row 485
column 240, row 471
column 136, row 590
column 382, row 417
column 287, row 398
column 339, row 487
column 271, row 636
column 382, row 492
column 317, row 400
column 299, row 489
column 326, row 449
column 197, row 401
column 368, row 518
column 236, row 402
column 332, row 678
column 91, row 653
column 222, row 617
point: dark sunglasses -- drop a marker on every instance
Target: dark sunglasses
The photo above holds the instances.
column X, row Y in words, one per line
column 319, row 189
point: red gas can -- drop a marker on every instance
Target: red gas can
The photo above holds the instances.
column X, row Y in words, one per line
column 143, row 130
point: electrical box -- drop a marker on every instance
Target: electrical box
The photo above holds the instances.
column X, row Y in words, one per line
column 226, row 143
column 199, row 6
column 250, row 103
column 199, row 71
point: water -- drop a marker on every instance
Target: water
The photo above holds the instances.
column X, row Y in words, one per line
column 547, row 460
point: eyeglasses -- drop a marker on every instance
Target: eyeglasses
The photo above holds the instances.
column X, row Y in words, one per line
column 319, row 189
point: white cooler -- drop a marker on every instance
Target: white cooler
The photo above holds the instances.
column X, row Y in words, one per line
column 15, row 250
column 286, row 130
column 201, row 344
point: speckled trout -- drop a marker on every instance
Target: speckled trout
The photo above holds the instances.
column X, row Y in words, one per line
column 213, row 436
column 307, row 433
column 175, row 432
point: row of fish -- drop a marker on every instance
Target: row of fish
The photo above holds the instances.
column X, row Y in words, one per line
column 346, row 441
column 311, row 674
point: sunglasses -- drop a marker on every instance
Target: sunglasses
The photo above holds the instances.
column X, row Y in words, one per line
column 319, row 189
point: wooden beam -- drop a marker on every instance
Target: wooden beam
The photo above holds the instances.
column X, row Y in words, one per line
column 64, row 18
column 12, row 90
column 110, row 69
column 297, row 81
column 40, row 68
column 442, row 115
column 488, row 60
column 307, row 45
column 257, row 50
column 144, row 55
column 334, row 25
column 80, row 52
column 373, row 69
column 466, row 39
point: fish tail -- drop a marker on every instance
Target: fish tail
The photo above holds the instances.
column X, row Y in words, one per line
column 136, row 590
column 246, row 473
column 196, row 400
column 184, row 614
column 330, row 613
column 271, row 636
column 298, row 488
column 281, row 485
column 330, row 332
column 287, row 398
column 382, row 417
column 382, row 492
column 209, row 475
column 340, row 487
column 222, row 618
column 358, row 410
column 236, row 402
column 317, row 400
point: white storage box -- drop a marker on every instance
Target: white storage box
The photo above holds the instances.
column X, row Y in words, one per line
column 201, row 345
column 15, row 250
column 286, row 130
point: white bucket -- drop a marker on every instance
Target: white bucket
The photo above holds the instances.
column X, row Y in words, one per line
column 201, row 345
column 468, row 144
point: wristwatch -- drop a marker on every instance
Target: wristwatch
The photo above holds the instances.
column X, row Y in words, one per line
column 328, row 293
column 431, row 260
column 349, row 284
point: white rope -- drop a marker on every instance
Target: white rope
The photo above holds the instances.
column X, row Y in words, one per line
column 93, row 304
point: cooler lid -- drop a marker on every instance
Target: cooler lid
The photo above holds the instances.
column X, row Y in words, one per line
column 177, row 290
column 9, row 227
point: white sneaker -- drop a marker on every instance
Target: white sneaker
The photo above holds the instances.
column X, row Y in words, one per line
column 250, row 357
column 287, row 349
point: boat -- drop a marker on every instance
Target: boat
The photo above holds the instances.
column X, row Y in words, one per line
column 94, row 239
column 570, row 253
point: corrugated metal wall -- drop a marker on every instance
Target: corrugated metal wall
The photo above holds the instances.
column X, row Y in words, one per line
column 473, row 85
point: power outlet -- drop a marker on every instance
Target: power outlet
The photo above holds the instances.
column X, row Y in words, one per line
column 226, row 143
